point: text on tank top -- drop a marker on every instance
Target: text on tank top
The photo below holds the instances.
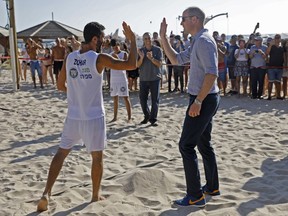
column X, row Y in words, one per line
column 84, row 86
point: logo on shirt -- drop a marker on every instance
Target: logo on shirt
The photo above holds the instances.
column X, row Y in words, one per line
column 73, row 73
column 123, row 89
column 79, row 62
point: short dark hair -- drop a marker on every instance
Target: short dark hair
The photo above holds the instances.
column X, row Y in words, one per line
column 195, row 11
column 114, row 42
column 92, row 29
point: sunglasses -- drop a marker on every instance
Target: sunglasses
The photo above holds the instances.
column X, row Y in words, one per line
column 184, row 17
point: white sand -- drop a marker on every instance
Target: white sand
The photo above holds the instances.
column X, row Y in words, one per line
column 143, row 169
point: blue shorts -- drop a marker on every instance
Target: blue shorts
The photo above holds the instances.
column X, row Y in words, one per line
column 34, row 65
column 275, row 75
column 222, row 75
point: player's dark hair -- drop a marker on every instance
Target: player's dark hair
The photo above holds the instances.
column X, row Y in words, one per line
column 92, row 29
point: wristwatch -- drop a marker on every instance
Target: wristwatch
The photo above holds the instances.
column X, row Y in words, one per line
column 197, row 101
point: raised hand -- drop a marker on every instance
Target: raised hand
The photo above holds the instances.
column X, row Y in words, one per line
column 141, row 53
column 149, row 55
column 129, row 34
column 163, row 28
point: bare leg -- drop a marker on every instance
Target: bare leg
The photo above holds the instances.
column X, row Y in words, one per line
column 270, row 86
column 135, row 84
column 20, row 70
column 115, row 98
column 233, row 84
column 34, row 81
column 224, row 83
column 284, row 87
column 25, row 71
column 51, row 74
column 237, row 84
column 128, row 107
column 54, row 171
column 41, row 81
column 56, row 77
column 219, row 83
column 245, row 82
column 44, row 76
column 278, row 89
column 266, row 83
column 96, row 174
column 185, row 77
column 130, row 82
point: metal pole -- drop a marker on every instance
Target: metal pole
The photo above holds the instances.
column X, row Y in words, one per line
column 13, row 46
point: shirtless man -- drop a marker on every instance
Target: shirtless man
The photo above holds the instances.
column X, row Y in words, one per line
column 34, row 63
column 222, row 79
column 83, row 73
column 58, row 55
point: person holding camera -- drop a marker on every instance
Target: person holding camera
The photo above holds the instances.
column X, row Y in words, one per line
column 241, row 66
column 257, row 67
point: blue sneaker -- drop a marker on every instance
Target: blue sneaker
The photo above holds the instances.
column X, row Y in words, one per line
column 191, row 201
column 206, row 191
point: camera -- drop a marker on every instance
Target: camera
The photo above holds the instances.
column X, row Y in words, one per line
column 256, row 51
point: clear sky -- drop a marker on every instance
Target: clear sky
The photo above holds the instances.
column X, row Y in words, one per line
column 146, row 15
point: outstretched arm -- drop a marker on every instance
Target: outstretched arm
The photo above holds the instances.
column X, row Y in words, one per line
column 61, row 82
column 169, row 51
column 113, row 63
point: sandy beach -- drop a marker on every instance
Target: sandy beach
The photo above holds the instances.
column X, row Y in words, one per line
column 143, row 171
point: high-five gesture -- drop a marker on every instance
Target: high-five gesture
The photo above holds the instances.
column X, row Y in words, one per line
column 163, row 28
column 129, row 34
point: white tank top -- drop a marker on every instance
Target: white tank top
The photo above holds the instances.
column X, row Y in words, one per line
column 84, row 86
column 118, row 76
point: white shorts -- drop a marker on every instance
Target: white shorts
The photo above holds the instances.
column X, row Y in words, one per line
column 119, row 89
column 91, row 133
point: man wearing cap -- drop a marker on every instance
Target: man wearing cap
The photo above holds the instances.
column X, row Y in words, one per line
column 257, row 67
column 275, row 70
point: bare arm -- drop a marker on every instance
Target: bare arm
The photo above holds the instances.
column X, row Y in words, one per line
column 156, row 62
column 141, row 57
column 222, row 49
column 52, row 55
column 61, row 83
column 269, row 47
column 153, row 60
column 169, row 51
column 236, row 55
column 105, row 60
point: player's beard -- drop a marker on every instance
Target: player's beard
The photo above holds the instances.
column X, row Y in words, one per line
column 98, row 46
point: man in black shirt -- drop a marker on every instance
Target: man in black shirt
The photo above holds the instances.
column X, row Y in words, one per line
column 275, row 68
